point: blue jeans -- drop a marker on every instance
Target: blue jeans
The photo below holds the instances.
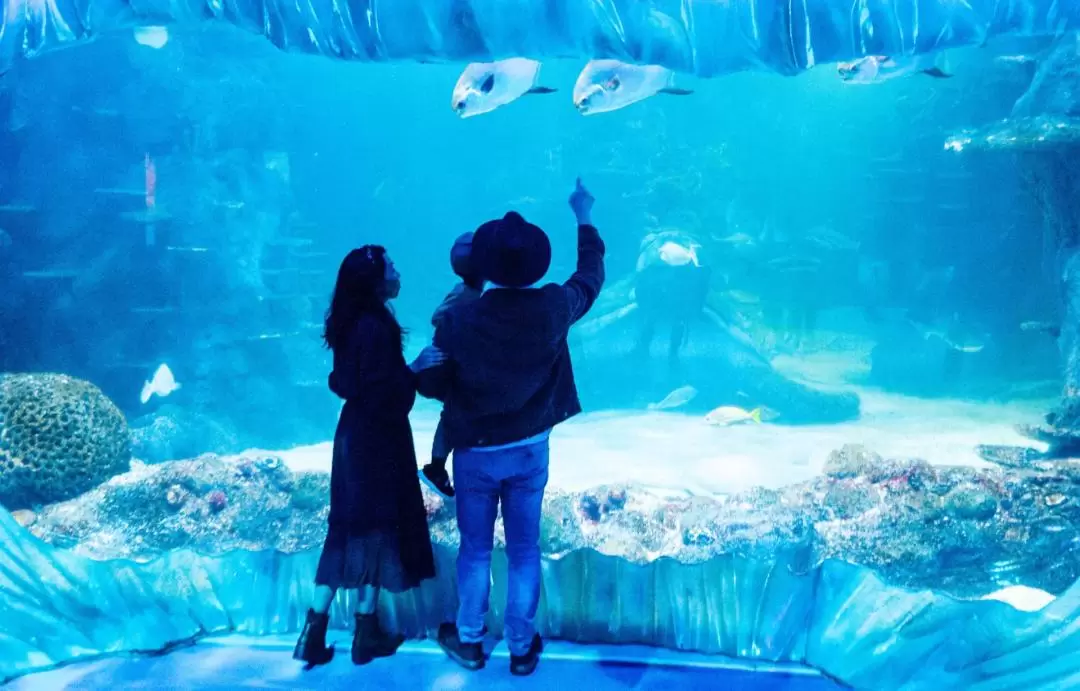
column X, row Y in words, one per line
column 516, row 476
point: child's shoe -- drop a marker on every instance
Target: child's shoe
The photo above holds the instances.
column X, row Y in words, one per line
column 436, row 477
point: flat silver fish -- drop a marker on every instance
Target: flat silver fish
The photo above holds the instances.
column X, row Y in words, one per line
column 485, row 86
column 607, row 85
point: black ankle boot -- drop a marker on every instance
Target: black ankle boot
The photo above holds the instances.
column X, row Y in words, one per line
column 311, row 648
column 370, row 641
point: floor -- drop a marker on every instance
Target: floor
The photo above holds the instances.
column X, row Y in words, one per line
column 239, row 662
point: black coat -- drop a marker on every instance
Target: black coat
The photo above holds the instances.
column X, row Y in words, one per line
column 373, row 481
column 508, row 374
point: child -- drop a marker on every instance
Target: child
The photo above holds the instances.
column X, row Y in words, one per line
column 471, row 287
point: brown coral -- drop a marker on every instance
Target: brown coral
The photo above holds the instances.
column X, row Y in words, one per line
column 59, row 437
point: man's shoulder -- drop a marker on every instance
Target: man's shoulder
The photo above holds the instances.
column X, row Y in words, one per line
column 552, row 290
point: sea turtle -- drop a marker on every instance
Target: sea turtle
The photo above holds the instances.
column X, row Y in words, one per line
column 669, row 292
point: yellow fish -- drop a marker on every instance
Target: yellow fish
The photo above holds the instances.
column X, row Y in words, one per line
column 730, row 415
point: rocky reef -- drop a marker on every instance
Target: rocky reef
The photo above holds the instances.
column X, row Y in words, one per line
column 172, row 432
column 958, row 530
column 59, row 437
column 865, row 572
column 1043, row 132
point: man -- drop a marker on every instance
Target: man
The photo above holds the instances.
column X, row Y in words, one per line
column 507, row 382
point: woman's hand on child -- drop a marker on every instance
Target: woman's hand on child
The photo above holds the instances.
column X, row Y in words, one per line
column 429, row 357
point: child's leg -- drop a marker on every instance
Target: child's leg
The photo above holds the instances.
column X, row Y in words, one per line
column 434, row 473
column 440, row 447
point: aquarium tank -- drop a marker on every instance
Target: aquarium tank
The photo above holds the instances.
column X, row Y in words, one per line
column 831, row 385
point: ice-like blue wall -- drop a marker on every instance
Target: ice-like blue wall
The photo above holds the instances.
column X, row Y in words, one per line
column 705, row 37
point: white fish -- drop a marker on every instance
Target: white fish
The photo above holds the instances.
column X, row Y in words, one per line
column 743, row 297
column 679, row 397
column 485, row 86
column 674, row 254
column 1035, row 326
column 729, row 415
column 163, row 384
column 794, row 263
column 879, row 68
column 152, row 36
column 830, row 239
column 1014, row 59
column 606, row 85
column 737, row 239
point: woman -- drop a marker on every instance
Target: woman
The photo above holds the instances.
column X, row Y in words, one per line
column 378, row 535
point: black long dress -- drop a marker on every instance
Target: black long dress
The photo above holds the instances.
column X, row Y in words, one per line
column 378, row 533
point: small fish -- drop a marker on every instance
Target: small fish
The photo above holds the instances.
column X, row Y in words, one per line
column 152, row 36
column 191, row 250
column 1041, row 327
column 607, row 85
column 674, row 254
column 737, row 239
column 679, row 397
column 1014, row 59
column 162, row 384
column 485, row 86
column 830, row 239
column 879, row 68
column 954, row 337
column 5, row 239
column 730, row 415
column 794, row 263
column 963, row 346
column 743, row 297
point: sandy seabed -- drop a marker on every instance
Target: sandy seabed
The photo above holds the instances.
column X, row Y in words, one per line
column 679, row 453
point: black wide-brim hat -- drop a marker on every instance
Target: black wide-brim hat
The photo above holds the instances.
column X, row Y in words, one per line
column 511, row 251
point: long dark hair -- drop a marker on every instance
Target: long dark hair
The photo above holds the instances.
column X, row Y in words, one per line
column 360, row 290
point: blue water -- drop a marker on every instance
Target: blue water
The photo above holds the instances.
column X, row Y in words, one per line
column 769, row 175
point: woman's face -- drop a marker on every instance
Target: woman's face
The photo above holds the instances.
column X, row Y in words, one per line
column 391, row 281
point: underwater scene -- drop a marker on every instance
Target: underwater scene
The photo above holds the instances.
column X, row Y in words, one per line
column 829, row 386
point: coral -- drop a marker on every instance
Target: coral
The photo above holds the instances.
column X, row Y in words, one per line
column 59, row 437
column 734, row 577
column 915, row 525
column 310, row 491
column 217, row 501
